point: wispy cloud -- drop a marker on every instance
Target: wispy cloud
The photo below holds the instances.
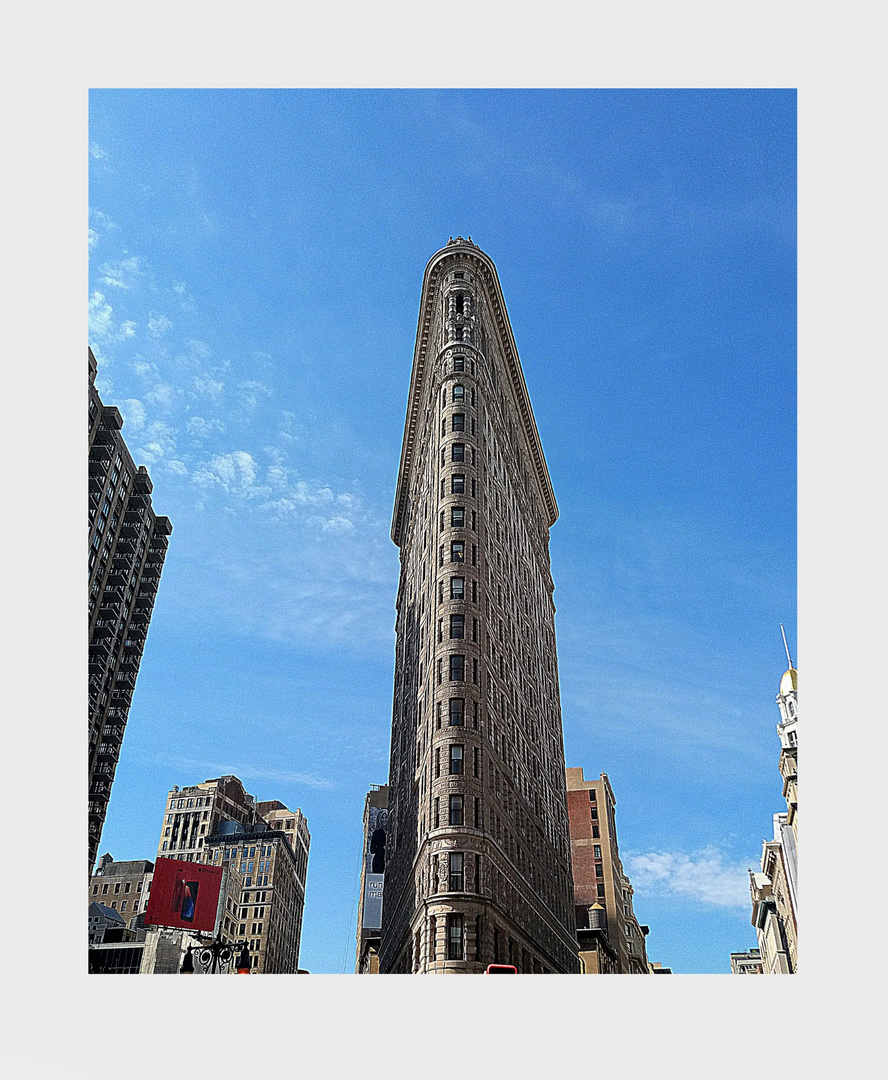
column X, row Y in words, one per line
column 97, row 152
column 101, row 322
column 158, row 324
column 212, row 769
column 123, row 273
column 705, row 876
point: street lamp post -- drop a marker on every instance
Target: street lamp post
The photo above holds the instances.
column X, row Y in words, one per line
column 214, row 955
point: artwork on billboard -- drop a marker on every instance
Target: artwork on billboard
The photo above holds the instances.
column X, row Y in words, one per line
column 184, row 895
column 374, row 867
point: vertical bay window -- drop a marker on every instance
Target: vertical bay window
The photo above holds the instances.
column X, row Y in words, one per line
column 458, row 484
column 457, row 626
column 457, row 668
column 455, row 937
column 457, row 588
column 457, row 871
column 457, row 711
column 458, row 551
column 456, row 759
column 458, row 517
column 455, row 810
column 458, row 452
column 459, row 422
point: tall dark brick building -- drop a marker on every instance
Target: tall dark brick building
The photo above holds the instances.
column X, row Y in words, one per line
column 127, row 545
column 478, row 853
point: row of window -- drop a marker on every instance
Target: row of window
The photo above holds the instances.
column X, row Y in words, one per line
column 457, row 517
column 457, row 485
column 458, row 552
column 458, row 628
column 458, row 453
column 456, row 811
column 458, row 423
column 458, row 669
column 458, row 393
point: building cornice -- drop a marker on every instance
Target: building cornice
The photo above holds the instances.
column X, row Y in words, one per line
column 465, row 253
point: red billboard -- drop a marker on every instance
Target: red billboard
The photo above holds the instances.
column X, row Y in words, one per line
column 184, row 895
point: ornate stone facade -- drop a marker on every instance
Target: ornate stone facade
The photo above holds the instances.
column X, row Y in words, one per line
column 478, row 863
column 775, row 888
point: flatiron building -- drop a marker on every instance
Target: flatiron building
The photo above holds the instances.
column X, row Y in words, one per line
column 478, row 850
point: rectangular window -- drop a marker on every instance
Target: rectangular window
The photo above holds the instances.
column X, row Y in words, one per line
column 595, row 831
column 457, row 872
column 474, row 592
column 477, row 761
column 473, row 521
column 457, row 669
column 458, row 517
column 599, row 870
column 474, row 629
column 597, row 851
column 437, row 762
column 457, row 588
column 457, row 711
column 459, row 392
column 474, row 554
column 457, row 626
column 593, row 810
column 459, row 363
column 458, row 451
column 459, row 421
column 457, row 484
column 437, row 812
column 455, row 809
column 478, row 821
column 456, row 760
column 458, row 551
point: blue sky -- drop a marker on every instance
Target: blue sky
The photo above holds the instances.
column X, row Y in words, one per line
column 256, row 259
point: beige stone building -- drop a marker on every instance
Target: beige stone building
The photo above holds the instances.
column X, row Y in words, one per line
column 196, row 812
column 123, row 886
column 272, row 898
column 774, row 888
column 747, row 963
column 611, row 939
column 264, row 846
column 478, row 864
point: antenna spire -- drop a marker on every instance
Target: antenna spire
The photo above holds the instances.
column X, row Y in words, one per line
column 785, row 646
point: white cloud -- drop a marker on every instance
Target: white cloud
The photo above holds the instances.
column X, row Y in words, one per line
column 338, row 524
column 207, row 385
column 235, row 473
column 199, row 348
column 100, row 316
column 177, row 467
column 122, row 274
column 250, row 392
column 201, row 428
column 134, row 414
column 128, row 328
column 158, row 324
column 705, row 876
column 97, row 152
column 163, row 394
column 158, row 442
column 93, row 238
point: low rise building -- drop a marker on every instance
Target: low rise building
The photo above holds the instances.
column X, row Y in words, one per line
column 747, row 963
column 122, row 886
column 611, row 940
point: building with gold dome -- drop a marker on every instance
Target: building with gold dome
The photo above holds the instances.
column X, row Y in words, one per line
column 775, row 887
